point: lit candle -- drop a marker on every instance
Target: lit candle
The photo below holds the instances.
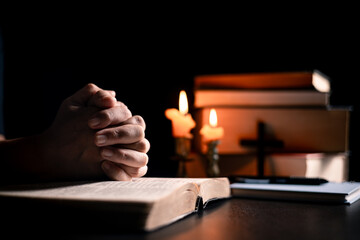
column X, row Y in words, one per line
column 182, row 122
column 210, row 131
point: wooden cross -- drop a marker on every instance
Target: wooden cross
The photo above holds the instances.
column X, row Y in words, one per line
column 261, row 143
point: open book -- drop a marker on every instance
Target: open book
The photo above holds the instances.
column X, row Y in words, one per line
column 143, row 203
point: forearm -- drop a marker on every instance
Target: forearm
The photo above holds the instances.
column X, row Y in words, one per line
column 21, row 160
column 73, row 148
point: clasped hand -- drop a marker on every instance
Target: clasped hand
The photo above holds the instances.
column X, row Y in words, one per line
column 94, row 134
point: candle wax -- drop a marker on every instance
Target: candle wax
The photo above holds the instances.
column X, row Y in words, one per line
column 211, row 133
column 181, row 124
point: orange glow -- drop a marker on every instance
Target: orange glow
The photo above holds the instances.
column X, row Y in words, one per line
column 183, row 103
column 182, row 122
column 213, row 118
column 211, row 131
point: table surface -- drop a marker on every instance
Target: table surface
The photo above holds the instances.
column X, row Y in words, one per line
column 234, row 218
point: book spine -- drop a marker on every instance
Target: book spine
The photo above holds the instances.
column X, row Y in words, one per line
column 265, row 98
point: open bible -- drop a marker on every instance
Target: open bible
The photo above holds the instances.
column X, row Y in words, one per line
column 143, row 203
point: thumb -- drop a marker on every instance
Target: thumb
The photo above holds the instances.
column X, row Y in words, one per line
column 92, row 95
column 82, row 96
column 102, row 99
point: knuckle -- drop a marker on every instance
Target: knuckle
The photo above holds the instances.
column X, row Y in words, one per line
column 122, row 175
column 98, row 95
column 142, row 160
column 146, row 160
column 139, row 120
column 124, row 109
column 119, row 132
column 131, row 158
column 122, row 155
column 103, row 121
column 101, row 94
column 144, row 145
column 109, row 114
column 90, row 87
column 127, row 113
column 106, row 116
column 148, row 145
column 142, row 171
column 137, row 172
column 129, row 131
column 139, row 132
column 134, row 172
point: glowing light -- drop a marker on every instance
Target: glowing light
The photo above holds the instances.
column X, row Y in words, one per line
column 213, row 118
column 211, row 131
column 181, row 120
column 321, row 84
column 183, row 103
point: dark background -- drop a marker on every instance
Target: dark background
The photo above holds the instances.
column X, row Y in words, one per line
column 148, row 61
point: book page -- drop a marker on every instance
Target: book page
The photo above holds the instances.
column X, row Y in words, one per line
column 140, row 189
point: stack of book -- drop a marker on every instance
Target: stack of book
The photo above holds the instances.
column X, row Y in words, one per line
column 294, row 109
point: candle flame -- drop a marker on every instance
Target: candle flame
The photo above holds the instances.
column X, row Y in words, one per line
column 213, row 118
column 183, row 103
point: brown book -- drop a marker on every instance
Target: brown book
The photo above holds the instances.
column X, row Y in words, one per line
column 142, row 204
column 256, row 98
column 265, row 80
column 300, row 129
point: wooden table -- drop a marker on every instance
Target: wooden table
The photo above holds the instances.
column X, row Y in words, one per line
column 225, row 219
